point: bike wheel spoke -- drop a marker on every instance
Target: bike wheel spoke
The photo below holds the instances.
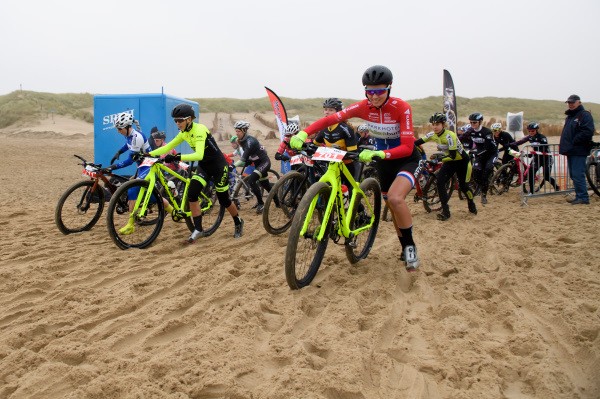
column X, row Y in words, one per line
column 144, row 227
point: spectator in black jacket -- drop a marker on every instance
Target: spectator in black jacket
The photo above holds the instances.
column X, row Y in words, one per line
column 576, row 143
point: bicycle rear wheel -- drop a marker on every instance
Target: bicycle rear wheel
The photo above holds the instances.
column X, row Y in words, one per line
column 431, row 198
column 212, row 210
column 305, row 253
column 359, row 246
column 287, row 192
column 593, row 177
column 146, row 227
column 79, row 208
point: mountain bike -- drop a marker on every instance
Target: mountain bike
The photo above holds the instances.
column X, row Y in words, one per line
column 284, row 197
column 148, row 211
column 321, row 216
column 242, row 192
column 80, row 207
column 592, row 168
column 514, row 174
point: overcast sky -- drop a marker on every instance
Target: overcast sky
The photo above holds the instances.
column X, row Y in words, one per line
column 539, row 49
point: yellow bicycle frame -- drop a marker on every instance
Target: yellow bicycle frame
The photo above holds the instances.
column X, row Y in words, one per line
column 155, row 174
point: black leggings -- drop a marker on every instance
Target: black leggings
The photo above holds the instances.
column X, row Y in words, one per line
column 218, row 172
column 482, row 170
column 462, row 168
column 546, row 164
column 262, row 181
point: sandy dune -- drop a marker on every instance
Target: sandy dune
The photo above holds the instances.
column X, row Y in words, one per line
column 506, row 305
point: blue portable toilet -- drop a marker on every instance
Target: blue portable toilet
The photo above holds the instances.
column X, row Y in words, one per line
column 148, row 109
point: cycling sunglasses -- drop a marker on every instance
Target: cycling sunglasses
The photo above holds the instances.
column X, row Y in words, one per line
column 179, row 120
column 376, row 92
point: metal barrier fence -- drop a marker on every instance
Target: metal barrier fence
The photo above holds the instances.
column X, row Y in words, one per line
column 545, row 172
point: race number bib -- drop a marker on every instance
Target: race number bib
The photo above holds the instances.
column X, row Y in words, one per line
column 89, row 171
column 298, row 159
column 329, row 154
column 148, row 162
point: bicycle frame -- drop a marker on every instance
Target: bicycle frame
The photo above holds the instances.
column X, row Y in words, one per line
column 332, row 177
column 94, row 173
column 155, row 175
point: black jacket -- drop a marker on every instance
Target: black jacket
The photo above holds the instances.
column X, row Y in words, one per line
column 576, row 137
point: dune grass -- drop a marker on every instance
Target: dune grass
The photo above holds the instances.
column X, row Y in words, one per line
column 24, row 106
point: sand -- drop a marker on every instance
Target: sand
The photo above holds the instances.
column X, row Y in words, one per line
column 506, row 303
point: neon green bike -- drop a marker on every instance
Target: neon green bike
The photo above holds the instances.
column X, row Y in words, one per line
column 321, row 215
column 147, row 207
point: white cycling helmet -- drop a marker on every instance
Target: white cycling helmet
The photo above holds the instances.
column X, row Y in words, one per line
column 291, row 129
column 123, row 120
column 496, row 126
column 241, row 125
column 362, row 128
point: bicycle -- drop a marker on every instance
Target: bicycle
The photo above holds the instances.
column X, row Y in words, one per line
column 80, row 207
column 321, row 216
column 242, row 193
column 148, row 210
column 283, row 199
column 514, row 174
column 592, row 168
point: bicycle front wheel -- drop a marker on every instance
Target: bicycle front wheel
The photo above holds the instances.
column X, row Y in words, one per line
column 502, row 179
column 305, row 253
column 359, row 246
column 282, row 202
column 79, row 208
column 593, row 178
column 212, row 211
column 134, row 229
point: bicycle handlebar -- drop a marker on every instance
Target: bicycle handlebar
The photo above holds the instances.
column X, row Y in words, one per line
column 86, row 163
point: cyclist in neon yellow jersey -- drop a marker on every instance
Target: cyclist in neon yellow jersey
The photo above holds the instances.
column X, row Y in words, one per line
column 211, row 165
column 456, row 160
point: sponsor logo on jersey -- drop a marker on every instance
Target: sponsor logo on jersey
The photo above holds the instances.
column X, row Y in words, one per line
column 384, row 130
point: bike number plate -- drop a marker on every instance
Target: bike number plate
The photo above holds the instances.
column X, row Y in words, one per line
column 148, row 162
column 298, row 159
column 89, row 171
column 329, row 154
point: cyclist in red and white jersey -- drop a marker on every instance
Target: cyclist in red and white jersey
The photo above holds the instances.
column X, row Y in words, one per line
column 390, row 121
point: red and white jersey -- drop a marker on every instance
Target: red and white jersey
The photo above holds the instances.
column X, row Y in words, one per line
column 391, row 125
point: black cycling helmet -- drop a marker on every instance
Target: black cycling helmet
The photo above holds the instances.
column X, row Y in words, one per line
column 476, row 116
column 533, row 126
column 183, row 110
column 334, row 103
column 377, row 75
column 438, row 117
column 159, row 135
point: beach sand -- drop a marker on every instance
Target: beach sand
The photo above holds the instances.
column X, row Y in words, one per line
column 506, row 303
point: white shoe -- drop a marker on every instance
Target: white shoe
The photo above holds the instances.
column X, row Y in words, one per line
column 195, row 235
column 410, row 258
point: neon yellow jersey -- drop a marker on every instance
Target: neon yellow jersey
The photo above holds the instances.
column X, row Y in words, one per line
column 199, row 139
column 447, row 141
